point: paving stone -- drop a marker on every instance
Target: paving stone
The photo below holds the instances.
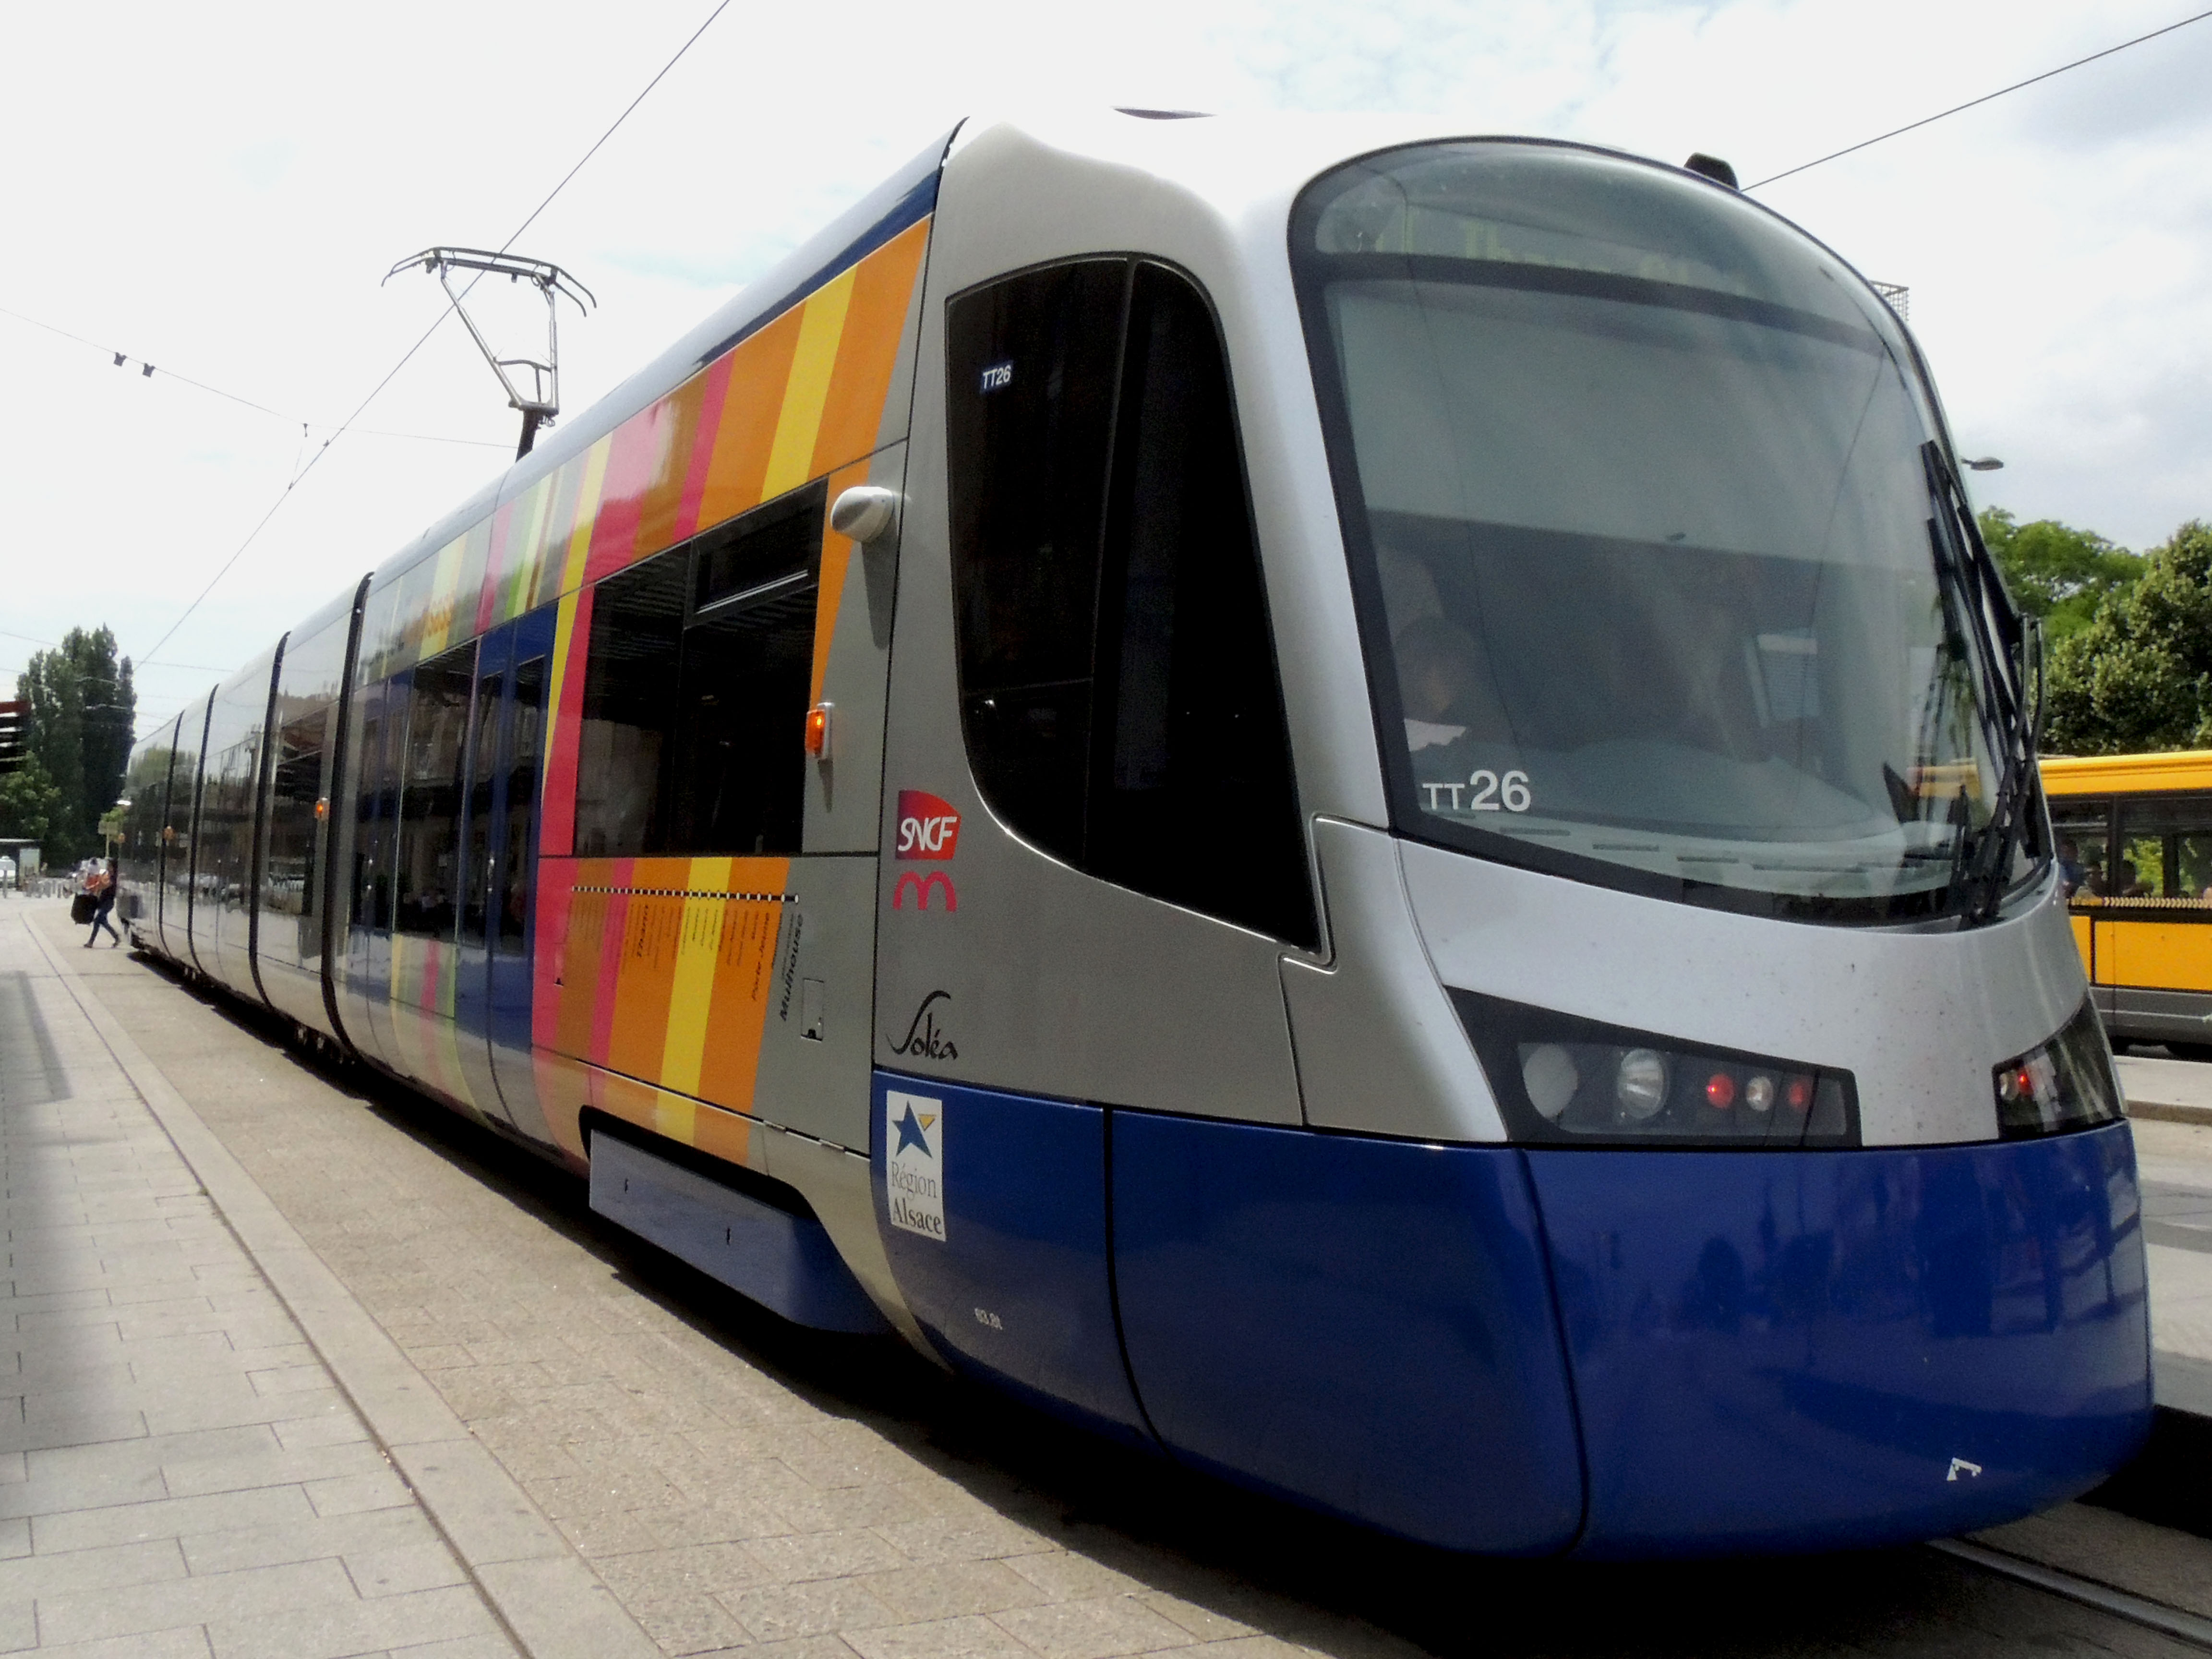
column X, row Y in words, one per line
column 174, row 1518
column 947, row 1639
column 776, row 1613
column 403, row 1568
column 1092, row 1629
column 316, row 1537
column 350, row 1494
column 189, row 1642
column 342, row 1626
column 949, row 1589
column 197, row 1600
column 271, row 1463
column 826, row 1555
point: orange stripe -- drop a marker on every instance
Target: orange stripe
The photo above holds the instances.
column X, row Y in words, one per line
column 836, row 554
column 868, row 353
column 645, row 970
column 759, row 369
column 723, row 1136
column 563, row 1087
column 744, row 976
column 580, row 963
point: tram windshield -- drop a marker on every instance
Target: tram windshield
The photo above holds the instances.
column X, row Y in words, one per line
column 1637, row 487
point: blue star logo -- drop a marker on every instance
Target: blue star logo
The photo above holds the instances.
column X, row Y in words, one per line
column 909, row 1134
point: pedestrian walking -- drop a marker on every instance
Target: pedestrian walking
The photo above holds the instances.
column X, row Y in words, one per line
column 104, row 901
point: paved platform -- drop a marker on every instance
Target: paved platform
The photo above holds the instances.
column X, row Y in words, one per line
column 2176, row 1091
column 473, row 1405
column 180, row 1471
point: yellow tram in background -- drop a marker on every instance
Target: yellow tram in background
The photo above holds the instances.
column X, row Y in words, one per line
column 2135, row 847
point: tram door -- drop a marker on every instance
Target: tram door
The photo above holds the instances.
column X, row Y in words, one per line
column 1095, row 859
column 363, row 1002
column 474, row 892
column 502, row 836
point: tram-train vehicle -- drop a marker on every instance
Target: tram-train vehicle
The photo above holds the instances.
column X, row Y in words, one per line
column 1349, row 803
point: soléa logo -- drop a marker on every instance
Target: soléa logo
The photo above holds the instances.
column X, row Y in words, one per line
column 928, row 827
column 913, row 1163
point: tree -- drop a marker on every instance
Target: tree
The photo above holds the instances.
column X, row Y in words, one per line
column 82, row 706
column 29, row 804
column 2139, row 676
column 2055, row 572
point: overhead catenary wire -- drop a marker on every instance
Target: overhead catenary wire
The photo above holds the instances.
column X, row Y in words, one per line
column 147, row 370
column 1971, row 103
column 407, row 356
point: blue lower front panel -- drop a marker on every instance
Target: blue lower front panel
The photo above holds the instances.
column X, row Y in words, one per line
column 1364, row 1326
column 992, row 1208
column 783, row 1260
column 1817, row 1349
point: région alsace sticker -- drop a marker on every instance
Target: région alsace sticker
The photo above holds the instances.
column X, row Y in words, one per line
column 913, row 1163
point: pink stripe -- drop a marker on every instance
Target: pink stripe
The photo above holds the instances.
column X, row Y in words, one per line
column 702, row 445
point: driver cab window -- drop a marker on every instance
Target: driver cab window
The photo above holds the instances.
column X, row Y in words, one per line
column 1119, row 691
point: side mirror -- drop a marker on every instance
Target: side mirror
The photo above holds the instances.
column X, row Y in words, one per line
column 865, row 512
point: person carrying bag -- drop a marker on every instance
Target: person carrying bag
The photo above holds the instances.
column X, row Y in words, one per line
column 103, row 901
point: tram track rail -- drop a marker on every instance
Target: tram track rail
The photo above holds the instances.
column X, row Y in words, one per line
column 2176, row 1622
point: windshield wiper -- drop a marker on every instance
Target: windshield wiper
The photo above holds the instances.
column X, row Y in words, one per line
column 1984, row 621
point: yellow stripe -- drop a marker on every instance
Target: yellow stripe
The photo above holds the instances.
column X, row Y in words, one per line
column 698, row 946
column 572, row 581
column 564, row 628
column 439, row 628
column 588, row 512
column 526, row 544
column 791, row 457
column 675, row 1117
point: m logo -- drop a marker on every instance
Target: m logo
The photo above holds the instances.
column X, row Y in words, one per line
column 920, row 887
column 928, row 827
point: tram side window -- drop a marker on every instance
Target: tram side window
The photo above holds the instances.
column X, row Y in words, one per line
column 374, row 805
column 288, row 874
column 227, row 824
column 2165, row 849
column 696, row 692
column 426, row 879
column 739, row 784
column 1119, row 689
column 2082, row 829
column 476, row 869
column 525, row 738
column 629, row 706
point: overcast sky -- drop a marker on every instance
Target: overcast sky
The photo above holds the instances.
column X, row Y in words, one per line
column 221, row 190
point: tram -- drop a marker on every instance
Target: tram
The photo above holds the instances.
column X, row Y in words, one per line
column 1351, row 803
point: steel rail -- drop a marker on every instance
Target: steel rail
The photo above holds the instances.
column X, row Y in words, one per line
column 2137, row 1610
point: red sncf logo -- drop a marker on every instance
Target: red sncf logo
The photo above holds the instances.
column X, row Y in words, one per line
column 928, row 827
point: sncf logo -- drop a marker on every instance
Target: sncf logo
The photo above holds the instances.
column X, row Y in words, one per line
column 922, row 887
column 928, row 827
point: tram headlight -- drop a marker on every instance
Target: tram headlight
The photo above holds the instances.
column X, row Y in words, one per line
column 1560, row 1080
column 2064, row 1083
column 1639, row 1086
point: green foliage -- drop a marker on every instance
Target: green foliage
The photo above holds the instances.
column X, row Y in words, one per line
column 82, row 710
column 30, row 802
column 2056, row 572
column 2139, row 676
